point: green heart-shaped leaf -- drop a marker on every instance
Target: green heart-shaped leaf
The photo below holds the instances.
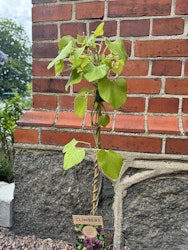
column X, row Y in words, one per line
column 73, row 157
column 110, row 162
column 113, row 92
column 93, row 73
column 70, row 145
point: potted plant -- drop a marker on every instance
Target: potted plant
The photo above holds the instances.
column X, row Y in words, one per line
column 100, row 62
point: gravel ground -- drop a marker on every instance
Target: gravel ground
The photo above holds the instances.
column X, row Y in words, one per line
column 10, row 241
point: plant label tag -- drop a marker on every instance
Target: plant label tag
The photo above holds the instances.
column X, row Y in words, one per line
column 89, row 232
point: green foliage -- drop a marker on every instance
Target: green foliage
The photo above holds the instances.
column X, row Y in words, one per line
column 100, row 62
column 9, row 114
column 15, row 74
column 89, row 60
column 6, row 169
column 110, row 162
column 71, row 159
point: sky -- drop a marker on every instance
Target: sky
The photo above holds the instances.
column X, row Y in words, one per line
column 19, row 11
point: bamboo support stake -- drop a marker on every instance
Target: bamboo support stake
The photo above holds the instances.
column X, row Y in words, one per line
column 96, row 188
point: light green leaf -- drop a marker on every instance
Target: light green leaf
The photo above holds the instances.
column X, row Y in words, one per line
column 80, row 105
column 118, row 66
column 93, row 73
column 75, row 78
column 110, row 162
column 117, row 47
column 64, row 41
column 59, row 66
column 73, row 157
column 91, row 41
column 104, row 120
column 70, row 145
column 113, row 92
column 99, row 30
column 62, row 55
column 77, row 53
column 80, row 39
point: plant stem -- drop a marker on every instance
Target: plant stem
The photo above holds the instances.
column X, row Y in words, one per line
column 95, row 199
column 96, row 129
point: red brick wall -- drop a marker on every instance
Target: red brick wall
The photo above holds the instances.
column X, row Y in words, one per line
column 155, row 116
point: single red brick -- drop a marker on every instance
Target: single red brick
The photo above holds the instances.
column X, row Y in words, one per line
column 136, row 68
column 66, row 102
column 143, row 86
column 163, row 105
column 40, row 69
column 129, row 8
column 44, row 101
column 185, row 125
column 185, row 105
column 72, row 29
column 90, row 10
column 26, row 136
column 68, row 120
column 37, row 118
column 44, row 50
column 166, row 68
column 47, row 13
column 161, row 48
column 129, row 123
column 44, row 32
column 163, row 125
column 49, row 85
column 181, row 7
column 177, row 146
column 110, row 27
column 134, row 28
column 59, row 138
column 132, row 143
column 168, row 26
column 134, row 104
column 87, row 124
column 177, row 86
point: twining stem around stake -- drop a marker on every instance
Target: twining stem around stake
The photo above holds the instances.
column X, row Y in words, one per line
column 96, row 129
column 96, row 189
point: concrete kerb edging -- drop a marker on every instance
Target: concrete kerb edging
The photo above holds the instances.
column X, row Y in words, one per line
column 6, row 204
